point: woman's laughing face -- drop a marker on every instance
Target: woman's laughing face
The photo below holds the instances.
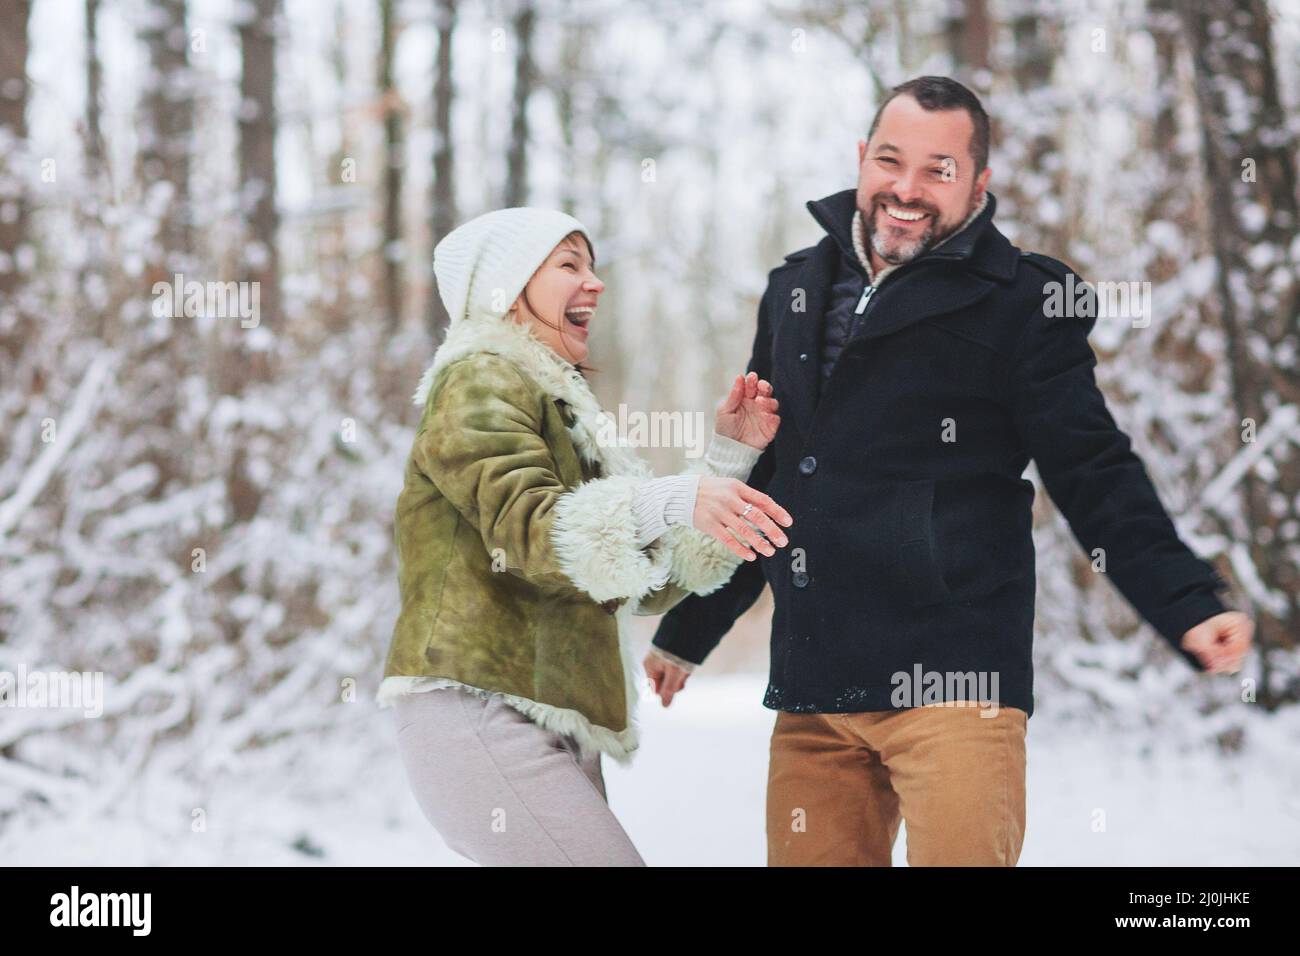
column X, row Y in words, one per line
column 559, row 301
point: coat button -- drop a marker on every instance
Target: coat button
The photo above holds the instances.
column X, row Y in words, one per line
column 799, row 579
column 803, row 356
column 808, row 465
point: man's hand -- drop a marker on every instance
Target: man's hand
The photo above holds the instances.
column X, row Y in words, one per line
column 666, row 678
column 748, row 412
column 1221, row 642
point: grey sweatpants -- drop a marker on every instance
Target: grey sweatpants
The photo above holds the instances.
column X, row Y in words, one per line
column 502, row 790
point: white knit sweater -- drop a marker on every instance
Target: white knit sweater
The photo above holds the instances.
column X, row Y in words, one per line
column 662, row 502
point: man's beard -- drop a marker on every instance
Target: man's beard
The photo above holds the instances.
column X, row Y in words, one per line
column 896, row 249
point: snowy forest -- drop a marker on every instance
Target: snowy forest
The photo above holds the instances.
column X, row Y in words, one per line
column 196, row 503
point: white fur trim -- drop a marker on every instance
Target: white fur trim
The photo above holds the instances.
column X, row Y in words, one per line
column 593, row 427
column 595, row 539
column 700, row 562
column 618, row 745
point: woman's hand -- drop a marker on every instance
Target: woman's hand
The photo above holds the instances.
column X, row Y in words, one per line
column 724, row 506
column 748, row 413
column 666, row 678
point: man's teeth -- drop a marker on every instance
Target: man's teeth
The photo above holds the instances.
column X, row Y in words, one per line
column 903, row 214
column 579, row 316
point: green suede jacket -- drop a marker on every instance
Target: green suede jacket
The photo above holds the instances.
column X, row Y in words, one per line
column 518, row 565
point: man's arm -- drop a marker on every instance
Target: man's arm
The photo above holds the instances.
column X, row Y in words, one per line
column 1102, row 488
column 695, row 626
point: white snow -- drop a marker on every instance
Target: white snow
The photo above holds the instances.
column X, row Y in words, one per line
column 694, row 796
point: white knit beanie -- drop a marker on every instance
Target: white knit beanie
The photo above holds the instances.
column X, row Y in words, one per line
column 483, row 265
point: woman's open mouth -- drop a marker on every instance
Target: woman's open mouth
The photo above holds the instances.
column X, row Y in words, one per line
column 579, row 317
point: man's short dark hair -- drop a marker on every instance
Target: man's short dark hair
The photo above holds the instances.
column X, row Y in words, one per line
column 942, row 93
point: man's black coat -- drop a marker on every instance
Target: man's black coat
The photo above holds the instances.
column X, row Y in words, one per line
column 911, row 548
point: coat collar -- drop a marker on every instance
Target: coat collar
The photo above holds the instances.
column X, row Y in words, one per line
column 860, row 240
column 978, row 245
column 944, row 281
column 594, row 432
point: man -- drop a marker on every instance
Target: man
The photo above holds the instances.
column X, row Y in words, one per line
column 920, row 366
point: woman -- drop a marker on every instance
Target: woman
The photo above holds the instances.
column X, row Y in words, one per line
column 525, row 543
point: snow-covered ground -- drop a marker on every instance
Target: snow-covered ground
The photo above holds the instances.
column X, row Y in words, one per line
column 693, row 797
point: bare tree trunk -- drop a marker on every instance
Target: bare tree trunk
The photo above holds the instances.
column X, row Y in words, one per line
column 393, row 161
column 165, row 134
column 257, row 178
column 1032, row 66
column 244, row 366
column 92, row 222
column 168, row 124
column 967, row 34
column 702, row 274
column 1168, row 193
column 443, row 216
column 1024, row 124
column 517, row 163
column 1172, row 204
column 1251, row 181
column 14, row 15
column 94, row 146
column 1032, row 72
column 572, row 74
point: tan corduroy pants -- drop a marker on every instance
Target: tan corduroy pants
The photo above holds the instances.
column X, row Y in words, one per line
column 839, row 785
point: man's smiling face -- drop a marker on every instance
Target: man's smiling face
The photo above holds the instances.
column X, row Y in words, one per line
column 916, row 179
